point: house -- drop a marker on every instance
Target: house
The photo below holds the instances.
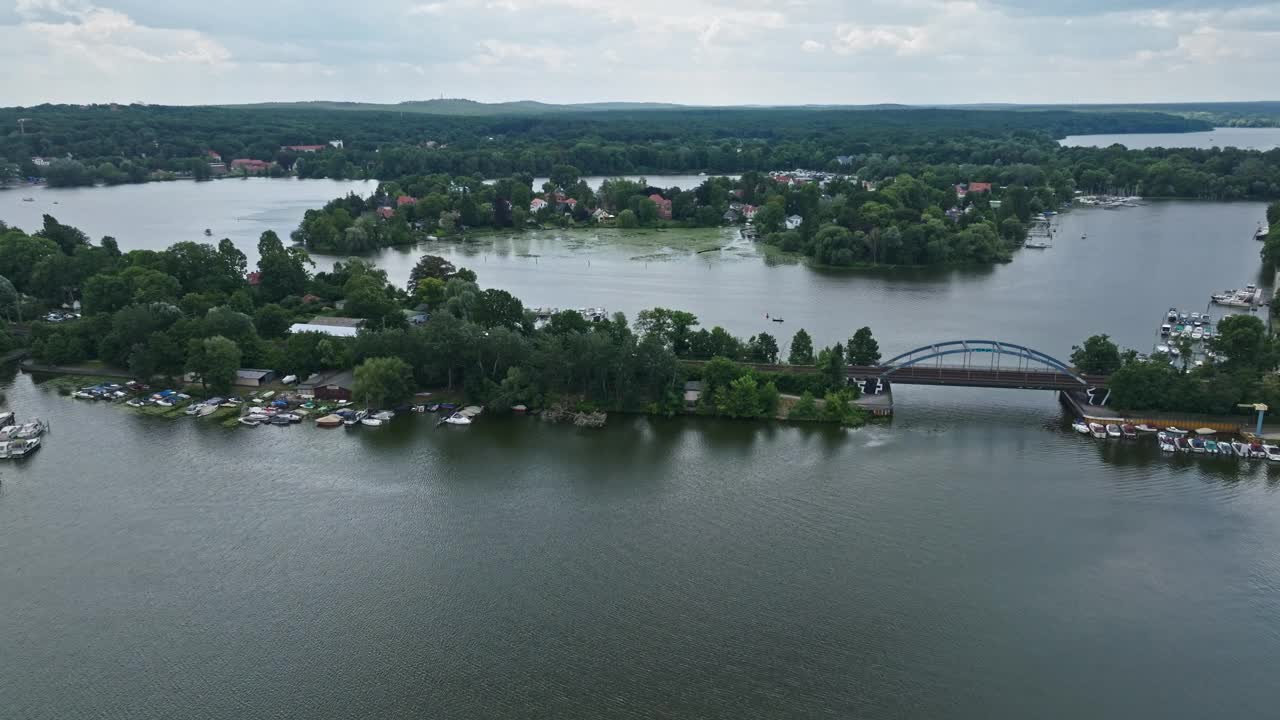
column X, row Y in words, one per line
column 385, row 212
column 329, row 385
column 844, row 159
column 962, row 190
column 664, row 206
column 977, row 187
column 870, row 185
column 40, row 162
column 954, row 213
column 217, row 168
column 749, row 211
column 692, row 394
column 249, row 377
column 537, row 204
column 405, row 200
column 251, row 166
column 336, row 143
column 213, row 156
column 338, row 321
column 784, row 179
column 330, row 330
column 303, row 148
column 570, row 203
column 416, row 317
column 601, row 215
column 794, row 221
column 730, row 216
column 309, row 299
column 254, row 278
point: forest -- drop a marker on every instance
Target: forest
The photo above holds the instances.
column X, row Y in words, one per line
column 197, row 308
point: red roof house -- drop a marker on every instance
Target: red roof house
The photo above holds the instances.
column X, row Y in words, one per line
column 304, row 148
column 979, row 187
column 664, row 206
column 386, row 213
column 405, row 200
column 254, row 278
column 250, row 165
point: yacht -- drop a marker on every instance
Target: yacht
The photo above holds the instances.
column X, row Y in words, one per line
column 1272, row 452
column 15, row 449
column 458, row 419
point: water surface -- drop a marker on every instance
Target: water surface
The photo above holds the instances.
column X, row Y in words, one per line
column 1223, row 137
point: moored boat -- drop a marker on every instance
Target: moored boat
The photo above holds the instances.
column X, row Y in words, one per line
column 1079, row 425
column 1240, row 448
column 249, row 421
column 1113, row 430
column 1198, row 446
column 353, row 419
column 328, row 421
column 1129, row 431
column 1097, row 430
column 1147, row 428
column 1271, row 452
column 17, row 449
column 458, row 419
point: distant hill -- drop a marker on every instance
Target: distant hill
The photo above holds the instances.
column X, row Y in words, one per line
column 462, row 107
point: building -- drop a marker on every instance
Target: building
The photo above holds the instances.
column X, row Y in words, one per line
column 214, row 157
column 338, row 321
column 844, row 159
column 331, row 326
column 329, row 385
column 978, row 187
column 601, row 215
column 537, row 204
column 40, row 162
column 794, row 221
column 254, row 278
column 749, row 211
column 405, row 200
column 336, row 143
column 692, row 394
column 303, row 148
column 251, row 166
column 385, row 212
column 250, row 377
column 664, row 206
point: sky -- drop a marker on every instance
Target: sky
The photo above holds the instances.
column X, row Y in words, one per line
column 700, row 52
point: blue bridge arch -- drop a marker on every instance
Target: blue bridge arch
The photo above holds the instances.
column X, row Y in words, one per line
column 970, row 350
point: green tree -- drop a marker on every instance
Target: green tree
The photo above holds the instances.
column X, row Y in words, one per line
column 801, row 349
column 806, row 408
column 382, row 380
column 739, row 399
column 627, row 219
column 215, row 361
column 272, row 321
column 863, row 348
column 282, row 271
column 1243, row 340
column 763, row 348
column 1098, row 356
column 831, row 366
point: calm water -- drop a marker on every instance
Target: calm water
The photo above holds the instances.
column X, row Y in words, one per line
column 1223, row 137
column 966, row 562
column 1133, row 265
column 974, row 559
column 156, row 215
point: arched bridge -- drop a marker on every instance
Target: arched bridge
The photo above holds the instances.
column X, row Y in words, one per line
column 978, row 363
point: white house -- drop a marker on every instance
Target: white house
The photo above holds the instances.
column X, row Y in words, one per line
column 336, row 143
column 794, row 221
column 601, row 215
column 537, row 204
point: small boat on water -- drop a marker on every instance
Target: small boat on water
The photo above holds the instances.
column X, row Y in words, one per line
column 249, row 421
column 1080, row 426
column 279, row 420
column 1175, row 431
column 1224, row 448
column 458, row 419
column 1182, row 444
column 1206, row 431
column 328, row 421
column 1113, row 430
column 1097, row 430
column 372, row 421
column 17, row 449
column 1130, row 432
column 1147, row 428
column 777, row 319
column 1271, row 452
column 355, row 418
column 1211, row 447
column 1198, row 446
column 1240, row 448
column 1168, row 446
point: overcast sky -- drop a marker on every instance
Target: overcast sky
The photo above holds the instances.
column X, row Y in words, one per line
column 685, row 51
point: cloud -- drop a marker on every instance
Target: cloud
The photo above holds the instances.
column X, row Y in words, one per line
column 693, row 51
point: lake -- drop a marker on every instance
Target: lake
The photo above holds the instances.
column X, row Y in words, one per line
column 1133, row 265
column 1223, row 137
column 975, row 558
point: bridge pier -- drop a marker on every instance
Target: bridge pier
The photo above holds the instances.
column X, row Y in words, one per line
column 876, row 397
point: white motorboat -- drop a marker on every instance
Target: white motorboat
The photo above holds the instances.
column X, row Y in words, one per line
column 1113, row 430
column 384, row 416
column 458, row 419
column 1097, row 430
column 1241, row 449
column 356, row 419
column 1081, row 427
column 250, row 421
column 371, row 422
column 1206, row 431
column 1272, row 452
column 15, row 449
column 1175, row 431
column 1147, row 428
